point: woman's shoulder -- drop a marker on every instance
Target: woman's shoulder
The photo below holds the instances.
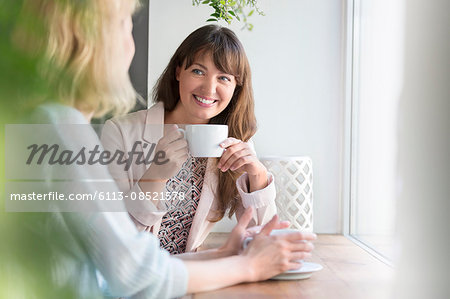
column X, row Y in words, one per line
column 141, row 116
column 131, row 118
column 54, row 113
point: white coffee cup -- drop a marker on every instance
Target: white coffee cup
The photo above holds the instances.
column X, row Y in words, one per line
column 205, row 140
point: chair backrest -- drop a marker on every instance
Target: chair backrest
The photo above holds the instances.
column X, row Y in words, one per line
column 294, row 185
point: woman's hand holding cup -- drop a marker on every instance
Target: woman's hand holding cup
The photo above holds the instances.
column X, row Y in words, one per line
column 239, row 156
column 176, row 151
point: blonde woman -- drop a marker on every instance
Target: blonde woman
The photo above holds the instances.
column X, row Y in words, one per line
column 207, row 81
column 89, row 46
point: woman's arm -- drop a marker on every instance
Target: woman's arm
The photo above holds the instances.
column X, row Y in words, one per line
column 205, row 254
column 258, row 181
column 218, row 273
column 262, row 201
column 256, row 186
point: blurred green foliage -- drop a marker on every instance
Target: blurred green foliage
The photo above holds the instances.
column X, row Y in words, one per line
column 228, row 10
column 25, row 253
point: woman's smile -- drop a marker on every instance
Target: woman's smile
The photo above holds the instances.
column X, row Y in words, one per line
column 204, row 101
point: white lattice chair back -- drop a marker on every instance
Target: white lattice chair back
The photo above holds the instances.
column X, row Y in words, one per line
column 294, row 185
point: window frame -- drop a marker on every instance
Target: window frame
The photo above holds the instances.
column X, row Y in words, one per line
column 351, row 77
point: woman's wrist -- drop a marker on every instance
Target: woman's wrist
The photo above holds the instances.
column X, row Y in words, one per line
column 258, row 180
column 260, row 172
column 219, row 273
column 248, row 268
column 226, row 250
column 208, row 254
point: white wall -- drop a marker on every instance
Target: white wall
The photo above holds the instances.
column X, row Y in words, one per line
column 295, row 52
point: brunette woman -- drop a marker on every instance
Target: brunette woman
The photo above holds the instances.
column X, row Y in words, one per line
column 207, row 81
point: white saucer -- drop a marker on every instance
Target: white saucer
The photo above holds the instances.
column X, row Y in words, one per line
column 305, row 271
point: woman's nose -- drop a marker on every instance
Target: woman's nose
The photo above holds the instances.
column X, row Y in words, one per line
column 209, row 86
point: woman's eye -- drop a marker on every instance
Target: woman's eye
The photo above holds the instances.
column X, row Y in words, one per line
column 225, row 78
column 197, row 72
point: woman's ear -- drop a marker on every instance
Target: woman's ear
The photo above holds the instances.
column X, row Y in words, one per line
column 177, row 73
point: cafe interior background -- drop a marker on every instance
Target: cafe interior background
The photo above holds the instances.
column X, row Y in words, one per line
column 359, row 86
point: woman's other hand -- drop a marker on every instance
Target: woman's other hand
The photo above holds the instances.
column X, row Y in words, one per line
column 240, row 232
column 271, row 255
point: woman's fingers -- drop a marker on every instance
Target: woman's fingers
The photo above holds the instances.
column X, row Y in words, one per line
column 300, row 236
column 229, row 142
column 294, row 265
column 271, row 225
column 299, row 255
column 180, row 157
column 230, row 155
column 174, row 135
column 230, row 150
column 237, row 159
column 171, row 134
column 254, row 230
column 240, row 162
column 302, row 246
column 176, row 145
column 283, row 224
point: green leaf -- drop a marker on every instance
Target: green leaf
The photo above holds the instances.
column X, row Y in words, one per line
column 229, row 10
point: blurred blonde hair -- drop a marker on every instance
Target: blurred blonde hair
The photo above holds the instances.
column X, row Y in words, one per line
column 79, row 42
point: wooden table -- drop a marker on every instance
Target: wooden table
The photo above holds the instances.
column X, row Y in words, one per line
column 349, row 272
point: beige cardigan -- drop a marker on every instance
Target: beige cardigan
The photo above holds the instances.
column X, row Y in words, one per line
column 145, row 126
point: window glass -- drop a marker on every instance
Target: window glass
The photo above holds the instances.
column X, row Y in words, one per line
column 377, row 82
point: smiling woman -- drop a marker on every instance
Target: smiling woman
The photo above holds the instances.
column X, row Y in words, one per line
column 201, row 85
column 207, row 81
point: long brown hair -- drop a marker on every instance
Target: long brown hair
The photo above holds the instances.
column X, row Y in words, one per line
column 229, row 57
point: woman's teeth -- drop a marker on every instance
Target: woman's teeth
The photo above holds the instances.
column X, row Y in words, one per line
column 204, row 101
